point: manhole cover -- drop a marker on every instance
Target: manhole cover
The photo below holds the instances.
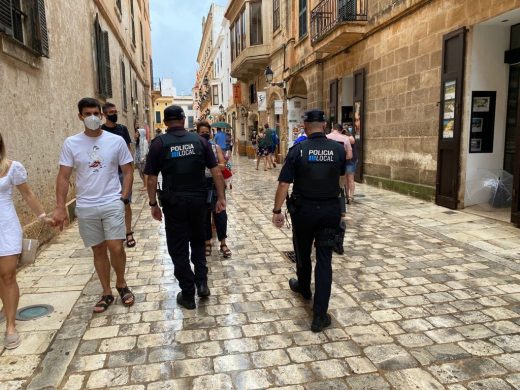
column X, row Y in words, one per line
column 450, row 212
column 34, row 311
column 290, row 255
column 359, row 196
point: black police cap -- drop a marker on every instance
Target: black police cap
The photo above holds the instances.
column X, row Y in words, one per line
column 314, row 116
column 174, row 113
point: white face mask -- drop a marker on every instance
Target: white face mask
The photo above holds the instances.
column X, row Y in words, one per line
column 92, row 122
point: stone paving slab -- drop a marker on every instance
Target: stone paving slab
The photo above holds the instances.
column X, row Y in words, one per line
column 422, row 298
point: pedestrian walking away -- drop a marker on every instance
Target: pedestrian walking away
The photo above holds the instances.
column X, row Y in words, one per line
column 352, row 163
column 219, row 219
column 13, row 174
column 141, row 151
column 316, row 167
column 96, row 155
column 111, row 125
column 262, row 152
column 270, row 144
column 182, row 158
column 220, row 139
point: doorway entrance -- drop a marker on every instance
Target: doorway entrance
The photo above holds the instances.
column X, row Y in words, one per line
column 492, row 161
column 351, row 113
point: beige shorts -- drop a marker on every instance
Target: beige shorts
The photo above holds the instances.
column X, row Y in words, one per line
column 101, row 223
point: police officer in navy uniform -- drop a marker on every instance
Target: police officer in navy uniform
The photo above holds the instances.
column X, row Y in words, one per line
column 316, row 167
column 182, row 157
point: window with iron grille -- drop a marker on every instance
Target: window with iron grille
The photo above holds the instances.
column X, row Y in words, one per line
column 132, row 21
column 123, row 86
column 302, row 25
column 102, row 60
column 255, row 23
column 158, row 117
column 276, row 15
column 25, row 22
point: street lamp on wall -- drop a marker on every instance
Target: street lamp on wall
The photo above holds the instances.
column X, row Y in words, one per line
column 269, row 75
column 222, row 109
column 207, row 112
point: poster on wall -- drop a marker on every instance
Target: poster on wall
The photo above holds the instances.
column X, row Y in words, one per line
column 477, row 125
column 449, row 90
column 449, row 109
column 447, row 129
column 475, row 145
column 481, row 104
column 357, row 120
column 262, row 101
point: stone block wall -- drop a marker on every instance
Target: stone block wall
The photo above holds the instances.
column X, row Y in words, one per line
column 402, row 87
column 39, row 95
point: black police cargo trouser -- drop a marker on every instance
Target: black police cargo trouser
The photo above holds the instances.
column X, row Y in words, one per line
column 184, row 219
column 315, row 221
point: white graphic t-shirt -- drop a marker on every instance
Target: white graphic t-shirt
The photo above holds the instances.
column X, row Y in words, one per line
column 96, row 161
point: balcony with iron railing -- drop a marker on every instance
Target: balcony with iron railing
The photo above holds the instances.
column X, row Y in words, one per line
column 338, row 23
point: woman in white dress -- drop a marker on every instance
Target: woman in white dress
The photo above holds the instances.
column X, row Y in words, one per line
column 12, row 174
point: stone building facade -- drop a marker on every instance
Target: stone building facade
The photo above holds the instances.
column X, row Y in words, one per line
column 63, row 51
column 410, row 72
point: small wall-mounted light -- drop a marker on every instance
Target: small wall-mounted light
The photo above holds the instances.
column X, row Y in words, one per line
column 269, row 75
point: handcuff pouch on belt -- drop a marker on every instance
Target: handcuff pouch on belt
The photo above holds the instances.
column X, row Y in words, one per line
column 294, row 202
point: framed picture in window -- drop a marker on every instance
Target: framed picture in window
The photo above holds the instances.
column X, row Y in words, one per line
column 476, row 125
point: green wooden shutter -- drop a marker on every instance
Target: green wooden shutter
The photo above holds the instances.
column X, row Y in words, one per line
column 6, row 18
column 108, row 72
column 41, row 36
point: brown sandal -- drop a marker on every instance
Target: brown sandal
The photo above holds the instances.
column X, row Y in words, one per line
column 208, row 250
column 225, row 251
column 127, row 297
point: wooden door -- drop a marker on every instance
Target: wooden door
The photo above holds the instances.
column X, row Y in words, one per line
column 450, row 119
column 359, row 119
column 333, row 102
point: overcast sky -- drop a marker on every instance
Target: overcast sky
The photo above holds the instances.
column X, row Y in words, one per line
column 176, row 35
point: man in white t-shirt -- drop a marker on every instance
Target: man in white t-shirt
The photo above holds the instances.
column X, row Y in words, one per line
column 95, row 155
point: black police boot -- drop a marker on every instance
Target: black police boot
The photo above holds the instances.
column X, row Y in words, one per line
column 203, row 290
column 295, row 286
column 320, row 322
column 186, row 302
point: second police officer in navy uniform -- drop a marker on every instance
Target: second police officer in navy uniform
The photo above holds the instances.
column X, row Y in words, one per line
column 316, row 168
column 182, row 157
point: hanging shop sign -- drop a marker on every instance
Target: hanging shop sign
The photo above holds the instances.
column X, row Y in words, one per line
column 262, row 101
column 237, row 93
column 278, row 107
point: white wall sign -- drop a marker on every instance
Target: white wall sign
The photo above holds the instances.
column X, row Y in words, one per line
column 262, row 101
column 278, row 107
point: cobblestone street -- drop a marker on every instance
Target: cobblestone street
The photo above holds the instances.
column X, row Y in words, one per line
column 423, row 298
